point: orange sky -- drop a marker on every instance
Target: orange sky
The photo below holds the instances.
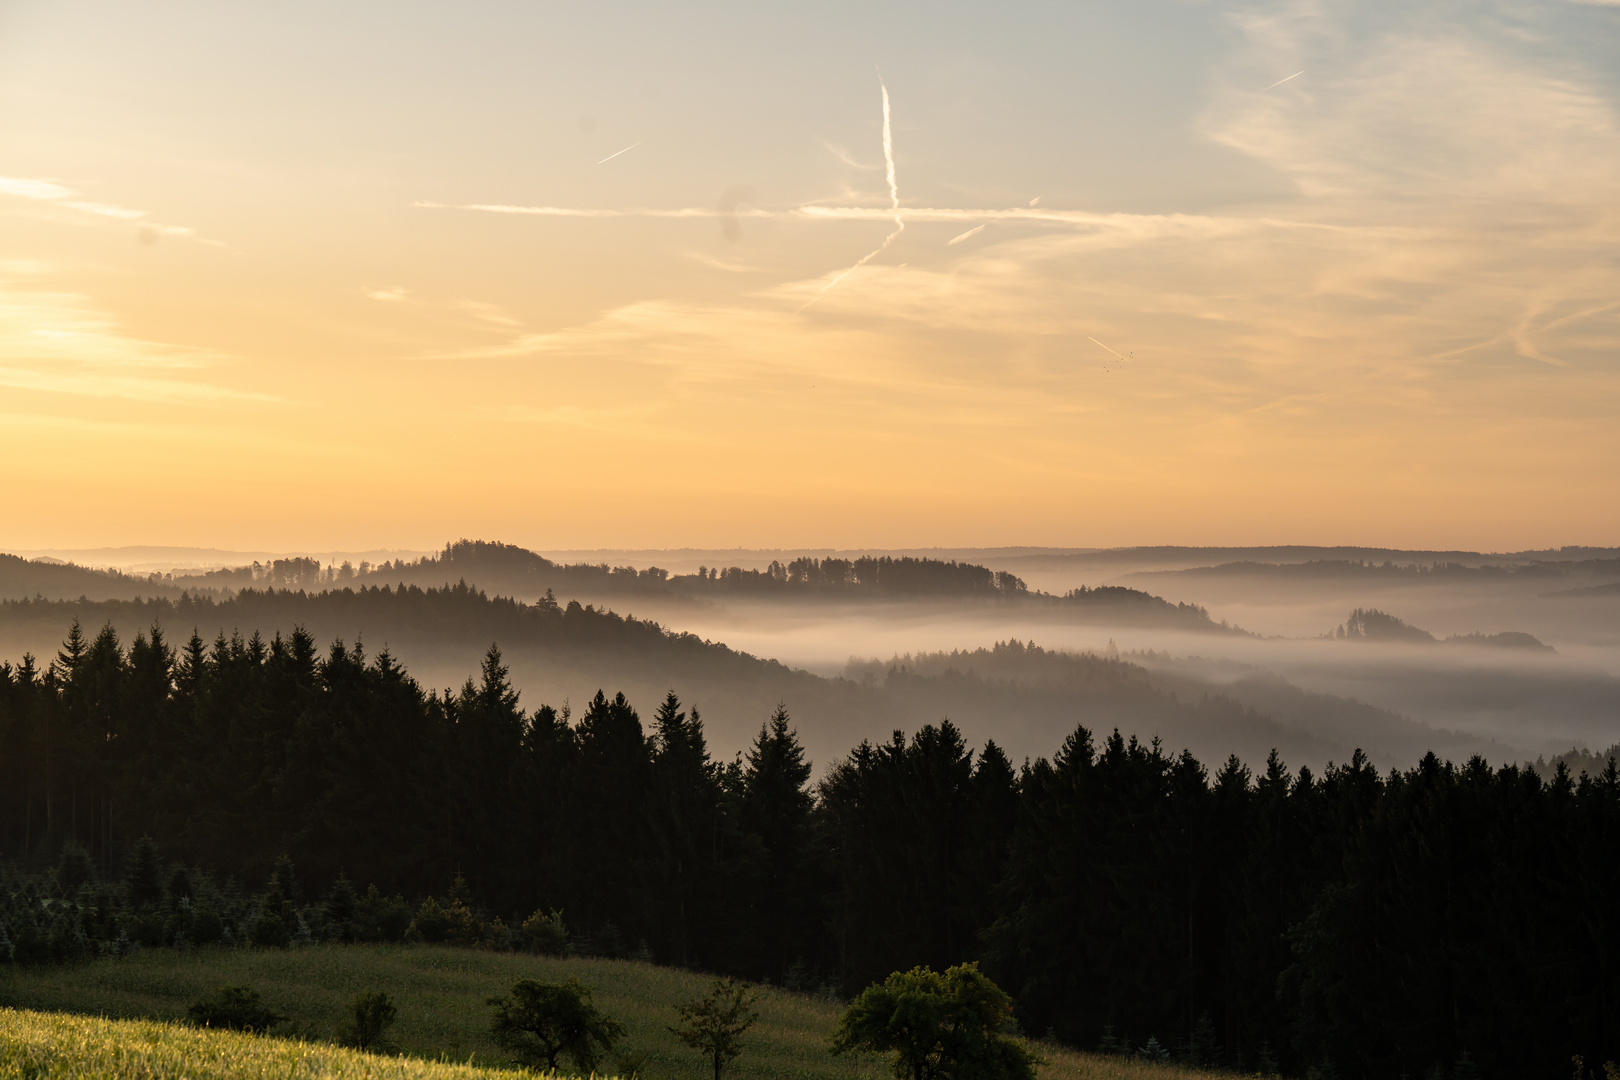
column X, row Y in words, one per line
column 281, row 282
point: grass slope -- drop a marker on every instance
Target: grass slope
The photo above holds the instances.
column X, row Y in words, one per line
column 440, row 994
column 44, row 1046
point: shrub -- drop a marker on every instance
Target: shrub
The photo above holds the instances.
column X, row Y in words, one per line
column 146, row 926
column 546, row 934
column 268, row 930
column 342, row 906
column 236, row 1008
column 365, row 1020
column 380, row 918
column 432, row 923
column 206, row 925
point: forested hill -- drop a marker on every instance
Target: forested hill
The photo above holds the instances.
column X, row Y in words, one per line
column 381, row 616
column 21, row 577
column 514, row 571
column 507, row 570
column 1019, row 694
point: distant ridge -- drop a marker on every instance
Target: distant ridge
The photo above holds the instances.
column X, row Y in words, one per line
column 508, row 570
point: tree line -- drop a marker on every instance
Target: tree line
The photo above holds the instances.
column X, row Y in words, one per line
column 1365, row 923
column 509, row 571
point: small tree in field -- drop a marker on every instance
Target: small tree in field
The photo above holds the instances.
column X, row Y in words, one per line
column 234, row 1008
column 543, row 1021
column 713, row 1025
column 366, row 1019
column 938, row 1026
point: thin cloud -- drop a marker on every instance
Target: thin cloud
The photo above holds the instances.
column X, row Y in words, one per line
column 58, row 196
column 846, row 157
column 616, row 153
column 32, row 189
column 58, row 342
column 1288, row 78
column 1100, row 345
column 484, row 312
column 581, row 212
column 104, row 385
column 1078, row 219
column 103, row 210
column 728, row 265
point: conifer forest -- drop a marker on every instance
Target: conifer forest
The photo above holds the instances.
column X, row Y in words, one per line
column 252, row 791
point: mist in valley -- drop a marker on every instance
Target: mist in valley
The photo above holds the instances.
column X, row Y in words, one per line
column 1211, row 654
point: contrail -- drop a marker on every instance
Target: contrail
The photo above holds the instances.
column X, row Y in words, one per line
column 894, row 202
column 626, row 150
column 971, row 232
column 1279, row 82
column 1100, row 345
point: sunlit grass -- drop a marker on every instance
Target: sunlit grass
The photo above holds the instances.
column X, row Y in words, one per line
column 440, row 993
column 42, row 1046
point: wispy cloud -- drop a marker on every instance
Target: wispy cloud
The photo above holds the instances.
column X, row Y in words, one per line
column 32, row 189
column 1421, row 269
column 59, row 342
column 846, row 157
column 60, row 197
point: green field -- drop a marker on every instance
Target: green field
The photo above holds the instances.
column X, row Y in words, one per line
column 440, row 993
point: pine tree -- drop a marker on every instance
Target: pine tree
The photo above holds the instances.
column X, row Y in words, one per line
column 143, row 875
column 776, row 809
column 684, row 811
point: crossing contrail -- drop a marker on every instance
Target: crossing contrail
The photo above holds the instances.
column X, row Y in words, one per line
column 894, row 203
column 1279, row 82
column 626, row 150
column 1100, row 345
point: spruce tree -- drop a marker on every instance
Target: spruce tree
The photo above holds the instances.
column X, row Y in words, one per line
column 143, row 875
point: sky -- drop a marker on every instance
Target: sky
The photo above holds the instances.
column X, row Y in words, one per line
column 650, row 275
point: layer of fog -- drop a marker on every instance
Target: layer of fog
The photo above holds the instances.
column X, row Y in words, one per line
column 1313, row 697
column 1525, row 702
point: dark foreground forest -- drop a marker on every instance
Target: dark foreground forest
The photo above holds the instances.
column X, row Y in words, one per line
column 1367, row 924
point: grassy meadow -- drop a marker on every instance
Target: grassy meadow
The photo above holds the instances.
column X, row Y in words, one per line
column 47, row 1046
column 440, row 993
